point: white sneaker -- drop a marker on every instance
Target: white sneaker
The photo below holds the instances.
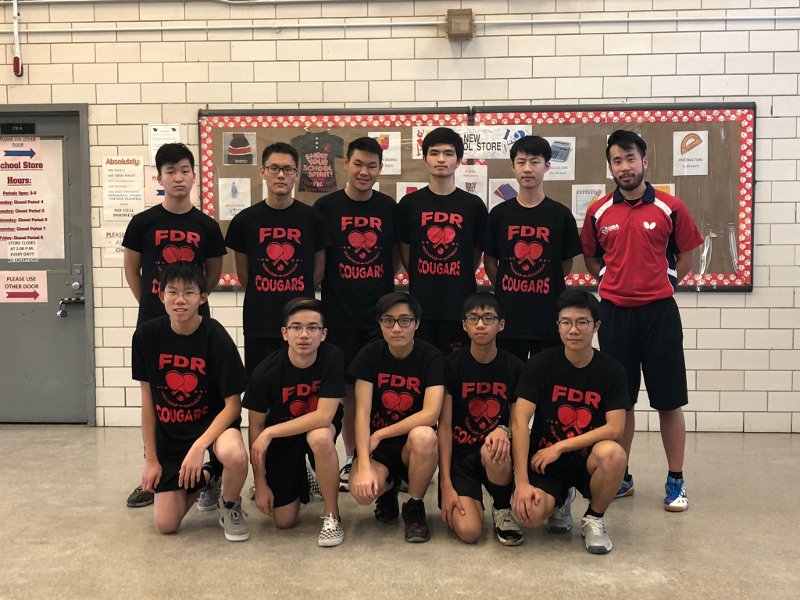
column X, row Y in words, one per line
column 332, row 532
column 506, row 527
column 561, row 519
column 593, row 530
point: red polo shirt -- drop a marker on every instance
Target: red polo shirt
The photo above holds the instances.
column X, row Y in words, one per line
column 638, row 245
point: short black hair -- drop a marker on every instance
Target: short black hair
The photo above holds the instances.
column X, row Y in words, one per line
column 482, row 300
column 186, row 272
column 571, row 298
column 443, row 135
column 532, row 145
column 295, row 305
column 389, row 300
column 365, row 144
column 171, row 154
column 280, row 148
column 627, row 140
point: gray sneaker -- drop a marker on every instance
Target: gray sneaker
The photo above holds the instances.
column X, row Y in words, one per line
column 593, row 530
column 332, row 532
column 209, row 497
column 233, row 521
column 561, row 519
column 506, row 527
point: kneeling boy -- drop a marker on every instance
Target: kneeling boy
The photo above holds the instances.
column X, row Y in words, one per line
column 578, row 398
column 474, row 439
column 293, row 401
column 191, row 379
column 398, row 396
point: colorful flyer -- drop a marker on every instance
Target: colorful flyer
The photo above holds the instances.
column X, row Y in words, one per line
column 392, row 155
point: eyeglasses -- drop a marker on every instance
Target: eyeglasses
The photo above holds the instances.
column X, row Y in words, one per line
column 488, row 319
column 187, row 294
column 311, row 329
column 404, row 322
column 275, row 169
column 580, row 324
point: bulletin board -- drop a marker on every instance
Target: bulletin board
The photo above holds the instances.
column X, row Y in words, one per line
column 702, row 153
column 231, row 144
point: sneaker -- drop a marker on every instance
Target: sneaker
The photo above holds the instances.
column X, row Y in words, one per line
column 626, row 487
column 314, row 492
column 139, row 498
column 233, row 521
column 404, row 486
column 209, row 497
column 675, row 499
column 417, row 530
column 386, row 506
column 506, row 527
column 344, row 477
column 332, row 533
column 593, row 530
column 252, row 492
column 561, row 519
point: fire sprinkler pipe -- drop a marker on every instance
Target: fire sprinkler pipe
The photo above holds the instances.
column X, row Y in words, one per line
column 18, row 68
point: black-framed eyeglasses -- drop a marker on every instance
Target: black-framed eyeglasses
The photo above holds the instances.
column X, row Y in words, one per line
column 311, row 329
column 580, row 324
column 488, row 319
column 275, row 169
column 389, row 322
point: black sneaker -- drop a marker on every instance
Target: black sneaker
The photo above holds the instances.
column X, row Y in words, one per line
column 139, row 498
column 344, row 477
column 417, row 530
column 386, row 507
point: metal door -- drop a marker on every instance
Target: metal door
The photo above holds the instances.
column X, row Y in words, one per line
column 46, row 324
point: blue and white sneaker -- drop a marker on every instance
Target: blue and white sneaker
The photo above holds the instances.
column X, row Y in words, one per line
column 675, row 499
column 626, row 487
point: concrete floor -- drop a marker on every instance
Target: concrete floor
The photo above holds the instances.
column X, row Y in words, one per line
column 66, row 533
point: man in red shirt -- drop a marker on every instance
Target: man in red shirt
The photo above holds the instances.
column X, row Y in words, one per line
column 637, row 243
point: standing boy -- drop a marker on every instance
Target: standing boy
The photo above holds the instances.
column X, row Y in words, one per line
column 474, row 438
column 441, row 229
column 637, row 243
column 293, row 405
column 360, row 264
column 530, row 242
column 162, row 235
column 280, row 253
column 191, row 379
column 399, row 390
column 577, row 397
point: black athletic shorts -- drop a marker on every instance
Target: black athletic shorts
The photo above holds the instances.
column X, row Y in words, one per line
column 648, row 339
column 171, row 461
column 447, row 336
column 350, row 341
column 390, row 454
column 285, row 464
column 524, row 348
column 467, row 473
column 568, row 471
column 257, row 349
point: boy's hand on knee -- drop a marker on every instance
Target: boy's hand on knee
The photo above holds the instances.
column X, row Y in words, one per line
column 498, row 446
column 265, row 500
column 450, row 502
column 364, row 485
column 258, row 450
column 151, row 475
column 544, row 457
column 526, row 498
column 192, row 468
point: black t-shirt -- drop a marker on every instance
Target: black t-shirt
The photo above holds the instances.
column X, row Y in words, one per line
column 318, row 152
column 482, row 394
column 162, row 238
column 189, row 375
column 358, row 264
column 398, row 385
column 570, row 401
column 530, row 245
column 283, row 391
column 280, row 247
column 443, row 233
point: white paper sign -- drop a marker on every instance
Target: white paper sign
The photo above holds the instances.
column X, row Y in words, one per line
column 23, row 286
column 161, row 134
column 32, row 199
column 480, row 142
column 583, row 196
column 562, row 162
column 392, row 155
column 474, row 179
column 110, row 240
column 234, row 197
column 690, row 153
column 123, row 188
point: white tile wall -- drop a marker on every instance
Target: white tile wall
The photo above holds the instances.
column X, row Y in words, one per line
column 743, row 350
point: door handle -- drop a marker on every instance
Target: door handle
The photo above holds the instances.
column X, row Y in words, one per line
column 62, row 312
